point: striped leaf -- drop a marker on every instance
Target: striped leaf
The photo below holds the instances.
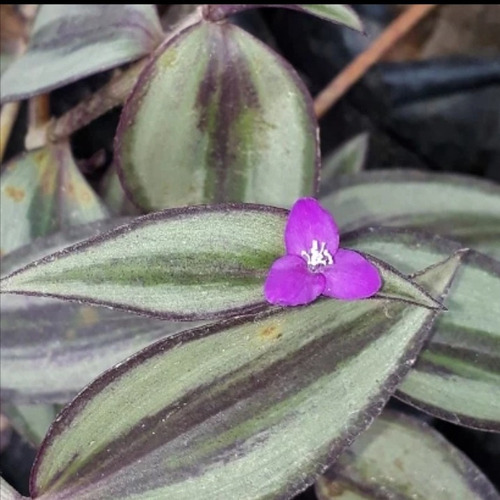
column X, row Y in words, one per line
column 347, row 159
column 401, row 457
column 248, row 408
column 457, row 376
column 194, row 263
column 217, row 116
column 460, row 207
column 51, row 349
column 70, row 42
column 7, row 492
column 335, row 13
column 42, row 192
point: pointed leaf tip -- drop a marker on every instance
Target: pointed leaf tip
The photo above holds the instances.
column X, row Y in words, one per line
column 286, row 389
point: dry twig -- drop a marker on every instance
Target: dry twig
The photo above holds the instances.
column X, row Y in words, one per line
column 357, row 68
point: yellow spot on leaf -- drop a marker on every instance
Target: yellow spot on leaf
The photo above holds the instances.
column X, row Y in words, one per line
column 17, row 194
column 168, row 59
column 399, row 464
column 271, row 332
column 88, row 316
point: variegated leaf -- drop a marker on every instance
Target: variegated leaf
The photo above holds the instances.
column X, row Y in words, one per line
column 51, row 349
column 42, row 192
column 70, row 42
column 401, row 457
column 457, row 206
column 457, row 375
column 248, row 408
column 195, row 263
column 217, row 116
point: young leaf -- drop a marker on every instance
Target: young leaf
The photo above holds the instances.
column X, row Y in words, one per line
column 249, row 408
column 70, row 42
column 401, row 457
column 349, row 158
column 195, row 263
column 43, row 191
column 335, row 13
column 457, row 375
column 451, row 205
column 217, row 116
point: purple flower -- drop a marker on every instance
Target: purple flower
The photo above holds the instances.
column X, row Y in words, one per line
column 314, row 264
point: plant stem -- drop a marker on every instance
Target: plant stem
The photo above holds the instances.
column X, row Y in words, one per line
column 8, row 116
column 113, row 94
column 38, row 118
column 357, row 68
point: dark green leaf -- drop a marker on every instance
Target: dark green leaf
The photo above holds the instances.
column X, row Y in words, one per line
column 217, row 116
column 70, row 42
column 248, row 408
column 451, row 205
column 457, row 376
column 402, row 458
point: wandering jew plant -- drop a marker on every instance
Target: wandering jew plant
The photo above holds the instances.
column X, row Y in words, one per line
column 195, row 380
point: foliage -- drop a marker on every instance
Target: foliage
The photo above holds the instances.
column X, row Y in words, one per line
column 216, row 140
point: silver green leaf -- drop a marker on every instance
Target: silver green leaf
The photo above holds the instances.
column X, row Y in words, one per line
column 42, row 192
column 217, row 116
column 460, row 207
column 401, row 457
column 70, row 42
column 457, row 375
column 253, row 407
column 347, row 159
column 51, row 349
column 194, row 263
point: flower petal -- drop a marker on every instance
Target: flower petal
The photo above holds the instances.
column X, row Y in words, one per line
column 309, row 221
column 290, row 283
column 351, row 277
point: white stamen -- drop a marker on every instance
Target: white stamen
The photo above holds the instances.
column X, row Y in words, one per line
column 317, row 255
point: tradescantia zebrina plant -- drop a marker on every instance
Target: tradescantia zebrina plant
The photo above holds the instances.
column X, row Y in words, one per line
column 276, row 373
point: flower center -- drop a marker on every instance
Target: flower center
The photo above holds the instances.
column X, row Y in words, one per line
column 318, row 256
